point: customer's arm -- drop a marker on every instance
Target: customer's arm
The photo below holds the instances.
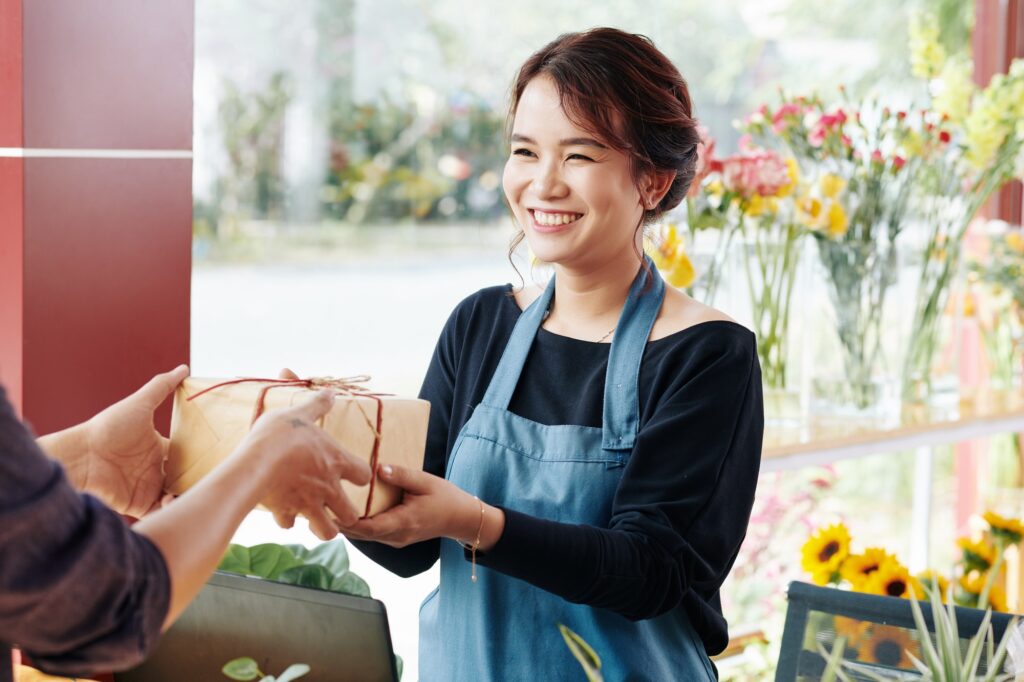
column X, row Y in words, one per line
column 82, row 592
column 287, row 463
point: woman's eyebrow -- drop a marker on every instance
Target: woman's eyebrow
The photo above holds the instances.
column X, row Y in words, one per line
column 568, row 142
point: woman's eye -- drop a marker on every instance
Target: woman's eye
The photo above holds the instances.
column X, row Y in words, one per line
column 521, row 152
column 580, row 157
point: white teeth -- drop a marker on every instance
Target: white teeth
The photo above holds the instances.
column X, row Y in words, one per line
column 543, row 218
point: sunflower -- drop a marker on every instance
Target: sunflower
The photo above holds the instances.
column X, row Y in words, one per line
column 892, row 579
column 932, row 580
column 852, row 629
column 1009, row 530
column 971, row 586
column 859, row 567
column 889, row 646
column 978, row 555
column 824, row 552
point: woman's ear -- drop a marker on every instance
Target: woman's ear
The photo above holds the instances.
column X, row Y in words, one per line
column 654, row 188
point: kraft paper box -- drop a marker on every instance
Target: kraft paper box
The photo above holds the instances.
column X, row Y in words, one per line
column 206, row 429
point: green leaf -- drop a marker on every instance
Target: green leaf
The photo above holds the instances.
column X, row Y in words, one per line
column 316, row 577
column 299, row 551
column 582, row 652
column 331, row 555
column 350, row 583
column 399, row 665
column 293, row 672
column 236, row 560
column 270, row 560
column 243, row 668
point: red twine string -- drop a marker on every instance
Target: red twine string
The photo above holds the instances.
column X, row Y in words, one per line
column 349, row 387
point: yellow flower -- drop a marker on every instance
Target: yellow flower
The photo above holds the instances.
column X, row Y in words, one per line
column 682, row 274
column 1015, row 240
column 824, row 552
column 888, row 646
column 926, row 52
column 892, row 579
column 978, row 556
column 808, row 212
column 837, row 222
column 858, row 567
column 831, row 185
column 955, row 89
column 852, row 629
column 974, row 582
column 933, row 580
column 671, row 258
column 1008, row 530
column 756, row 205
column 716, row 188
column 793, row 169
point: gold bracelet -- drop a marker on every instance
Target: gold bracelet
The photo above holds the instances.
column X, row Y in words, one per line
column 479, row 532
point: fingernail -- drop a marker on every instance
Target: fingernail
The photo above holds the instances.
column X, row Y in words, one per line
column 387, row 470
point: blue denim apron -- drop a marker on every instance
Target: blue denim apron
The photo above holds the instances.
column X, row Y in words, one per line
column 501, row 628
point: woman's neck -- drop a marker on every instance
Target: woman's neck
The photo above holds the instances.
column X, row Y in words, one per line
column 588, row 302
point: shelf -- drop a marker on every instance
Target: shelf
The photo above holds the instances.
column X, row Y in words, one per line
column 821, row 440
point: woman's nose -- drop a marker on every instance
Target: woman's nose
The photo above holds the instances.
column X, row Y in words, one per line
column 547, row 181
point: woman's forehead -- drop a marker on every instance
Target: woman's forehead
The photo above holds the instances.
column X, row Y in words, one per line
column 540, row 113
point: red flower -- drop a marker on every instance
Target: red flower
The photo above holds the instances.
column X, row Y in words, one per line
column 761, row 172
column 901, row 115
column 898, row 162
column 944, row 137
column 876, row 157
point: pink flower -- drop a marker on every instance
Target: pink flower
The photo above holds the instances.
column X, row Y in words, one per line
column 779, row 122
column 817, row 136
column 847, row 142
column 898, row 162
column 752, row 173
column 705, row 159
column 876, row 157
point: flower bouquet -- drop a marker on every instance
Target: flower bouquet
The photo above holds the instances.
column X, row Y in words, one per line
column 971, row 144
column 854, row 202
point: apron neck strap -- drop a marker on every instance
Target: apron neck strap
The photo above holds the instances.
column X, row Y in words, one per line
column 621, row 416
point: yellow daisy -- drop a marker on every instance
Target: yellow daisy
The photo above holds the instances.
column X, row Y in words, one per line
column 892, row 579
column 1009, row 530
column 831, row 185
column 859, row 567
column 824, row 553
column 978, row 555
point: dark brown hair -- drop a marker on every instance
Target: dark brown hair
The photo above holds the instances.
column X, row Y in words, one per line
column 619, row 87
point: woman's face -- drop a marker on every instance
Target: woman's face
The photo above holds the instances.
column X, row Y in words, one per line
column 574, row 197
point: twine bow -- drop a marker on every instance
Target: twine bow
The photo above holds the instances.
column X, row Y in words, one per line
column 346, row 386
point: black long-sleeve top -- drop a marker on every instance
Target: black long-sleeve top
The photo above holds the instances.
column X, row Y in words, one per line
column 684, row 500
column 79, row 591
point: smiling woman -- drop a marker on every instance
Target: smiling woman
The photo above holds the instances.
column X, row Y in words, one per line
column 567, row 480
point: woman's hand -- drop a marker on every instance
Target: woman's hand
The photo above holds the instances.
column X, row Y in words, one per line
column 431, row 508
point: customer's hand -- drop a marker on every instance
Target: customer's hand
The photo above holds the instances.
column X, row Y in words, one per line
column 307, row 466
column 123, row 457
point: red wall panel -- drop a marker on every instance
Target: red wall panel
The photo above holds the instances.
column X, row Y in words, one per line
column 107, row 285
column 11, row 271
column 10, row 73
column 112, row 74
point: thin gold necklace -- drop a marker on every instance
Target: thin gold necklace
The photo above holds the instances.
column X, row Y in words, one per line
column 610, row 331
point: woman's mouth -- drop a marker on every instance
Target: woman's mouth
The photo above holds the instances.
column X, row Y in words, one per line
column 553, row 221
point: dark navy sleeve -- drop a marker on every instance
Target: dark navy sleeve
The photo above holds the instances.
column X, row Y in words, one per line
column 681, row 509
column 79, row 591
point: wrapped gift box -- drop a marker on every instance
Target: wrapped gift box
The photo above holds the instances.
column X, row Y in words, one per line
column 208, row 427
